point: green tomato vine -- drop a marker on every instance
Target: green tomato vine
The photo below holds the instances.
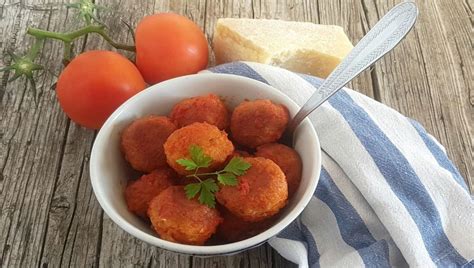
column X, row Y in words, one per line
column 26, row 65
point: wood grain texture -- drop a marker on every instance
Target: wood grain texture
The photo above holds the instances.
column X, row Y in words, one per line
column 48, row 213
column 426, row 78
column 32, row 147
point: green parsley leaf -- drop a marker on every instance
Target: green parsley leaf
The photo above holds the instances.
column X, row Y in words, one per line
column 187, row 164
column 198, row 156
column 192, row 189
column 211, row 185
column 237, row 166
column 207, row 188
column 207, row 197
column 227, row 179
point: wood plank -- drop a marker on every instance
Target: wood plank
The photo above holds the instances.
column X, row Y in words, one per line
column 72, row 210
column 351, row 17
column 420, row 80
column 291, row 10
column 118, row 248
column 214, row 11
column 74, row 213
column 31, row 145
column 455, row 25
column 72, row 193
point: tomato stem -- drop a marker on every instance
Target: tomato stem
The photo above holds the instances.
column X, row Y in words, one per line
column 67, row 53
column 25, row 65
column 205, row 174
column 34, row 50
column 68, row 37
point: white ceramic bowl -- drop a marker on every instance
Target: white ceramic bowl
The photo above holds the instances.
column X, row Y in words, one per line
column 109, row 171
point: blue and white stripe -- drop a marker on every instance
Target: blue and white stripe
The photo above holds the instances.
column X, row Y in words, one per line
column 388, row 194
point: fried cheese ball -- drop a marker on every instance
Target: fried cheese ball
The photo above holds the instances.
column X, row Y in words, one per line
column 142, row 142
column 262, row 191
column 233, row 228
column 179, row 219
column 139, row 193
column 210, row 109
column 254, row 123
column 213, row 142
column 287, row 159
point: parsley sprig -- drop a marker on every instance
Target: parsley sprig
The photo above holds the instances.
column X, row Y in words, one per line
column 208, row 187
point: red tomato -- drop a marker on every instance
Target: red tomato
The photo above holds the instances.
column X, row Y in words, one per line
column 94, row 84
column 169, row 45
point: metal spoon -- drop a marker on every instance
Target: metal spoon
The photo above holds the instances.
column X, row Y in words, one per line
column 382, row 38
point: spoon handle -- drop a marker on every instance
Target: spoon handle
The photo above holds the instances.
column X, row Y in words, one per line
column 382, row 38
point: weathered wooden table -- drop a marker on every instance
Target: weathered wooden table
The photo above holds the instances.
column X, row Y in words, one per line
column 48, row 213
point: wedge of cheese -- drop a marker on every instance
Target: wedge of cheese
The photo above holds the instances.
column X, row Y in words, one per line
column 297, row 46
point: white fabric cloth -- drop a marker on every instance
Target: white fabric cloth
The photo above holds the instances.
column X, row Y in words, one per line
column 388, row 195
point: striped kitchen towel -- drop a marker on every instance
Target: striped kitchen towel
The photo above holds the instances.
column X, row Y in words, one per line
column 388, row 195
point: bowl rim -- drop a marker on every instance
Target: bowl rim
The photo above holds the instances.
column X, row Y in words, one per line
column 228, row 248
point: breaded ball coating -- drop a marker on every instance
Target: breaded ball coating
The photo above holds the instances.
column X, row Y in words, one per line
column 234, row 229
column 210, row 109
column 262, row 191
column 179, row 219
column 287, row 159
column 213, row 142
column 254, row 123
column 142, row 142
column 139, row 193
